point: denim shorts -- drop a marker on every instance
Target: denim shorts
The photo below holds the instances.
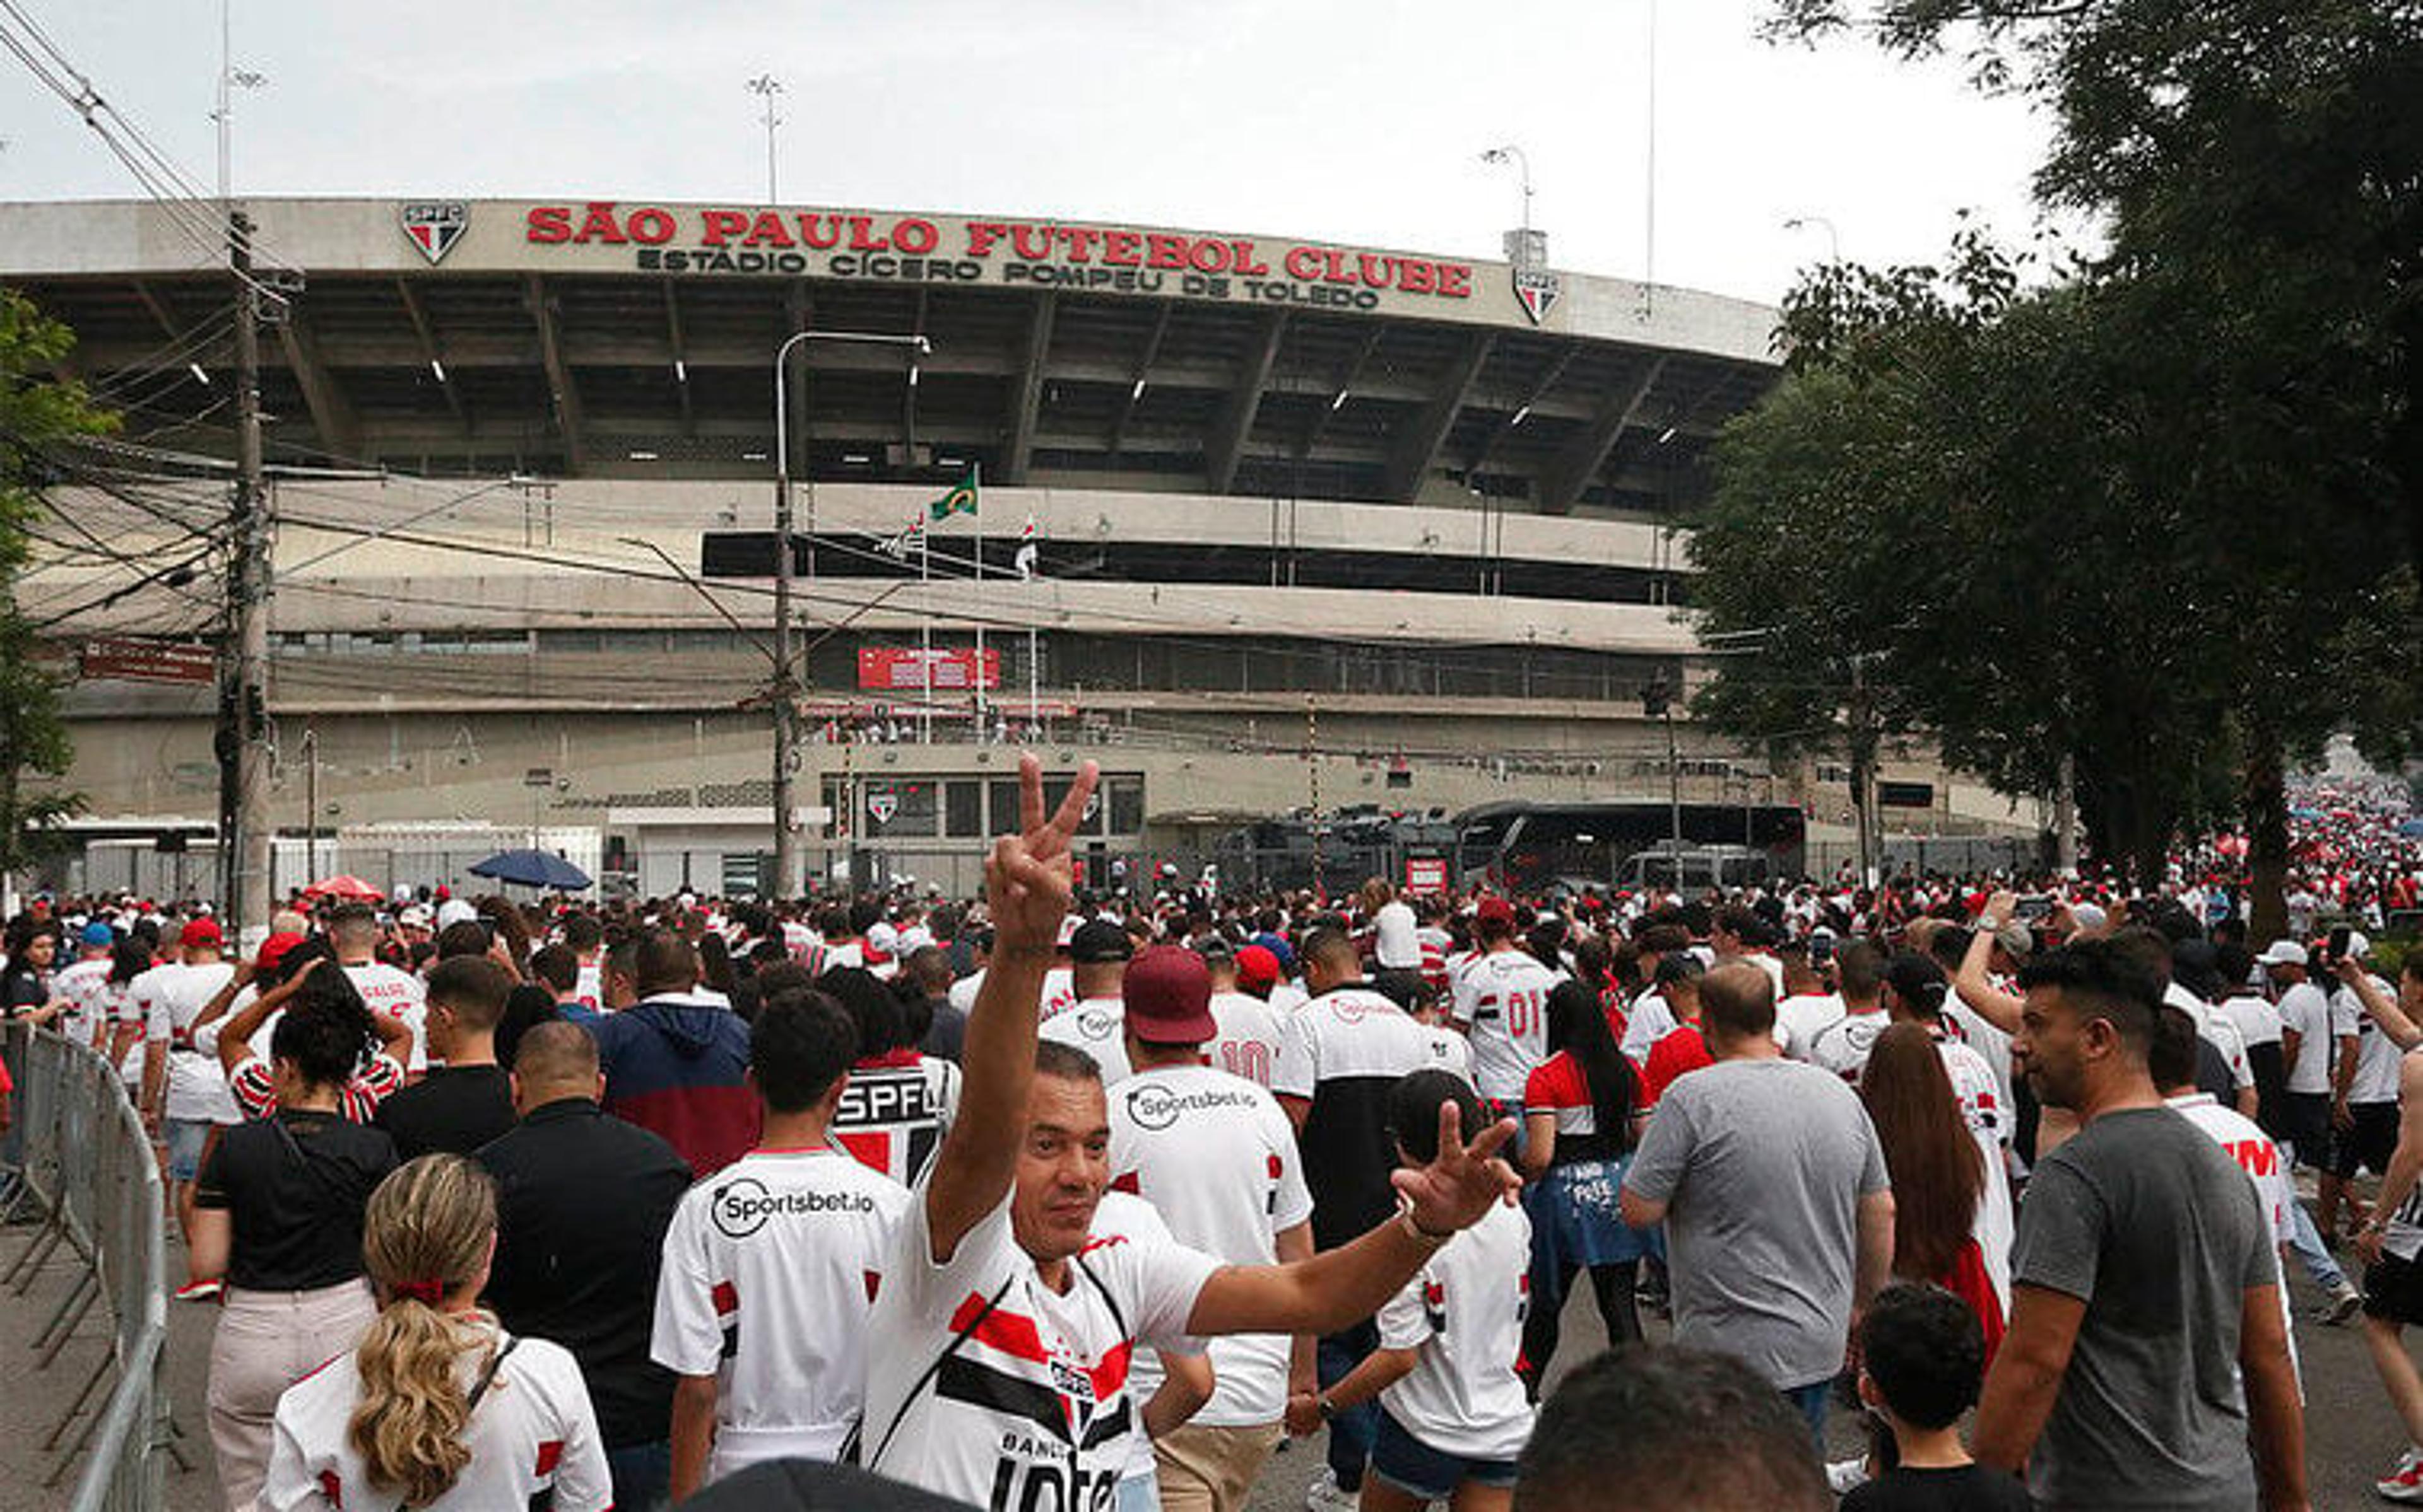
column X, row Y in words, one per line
column 185, row 1138
column 1433, row 1476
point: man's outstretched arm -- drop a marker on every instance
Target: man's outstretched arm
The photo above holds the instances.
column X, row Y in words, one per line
column 1342, row 1286
column 1026, row 890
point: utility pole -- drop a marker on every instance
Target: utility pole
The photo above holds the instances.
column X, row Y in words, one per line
column 1863, row 774
column 244, row 743
column 784, row 689
column 310, row 805
column 1312, row 779
column 1657, row 702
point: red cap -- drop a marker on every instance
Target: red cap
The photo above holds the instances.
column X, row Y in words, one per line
column 1167, row 990
column 198, row 933
column 1257, row 966
column 274, row 949
column 1494, row 911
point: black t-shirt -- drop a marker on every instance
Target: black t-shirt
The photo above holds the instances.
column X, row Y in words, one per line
column 1969, row 1489
column 455, row 1109
column 294, row 1184
column 583, row 1200
column 949, row 1035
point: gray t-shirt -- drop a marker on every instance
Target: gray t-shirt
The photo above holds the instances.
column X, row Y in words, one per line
column 1763, row 1163
column 2146, row 1219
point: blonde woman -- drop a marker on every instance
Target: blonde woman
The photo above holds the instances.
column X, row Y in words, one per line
column 438, row 1408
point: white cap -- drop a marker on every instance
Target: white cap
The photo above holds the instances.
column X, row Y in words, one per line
column 454, row 911
column 416, row 915
column 2358, row 946
column 2088, row 915
column 2282, row 952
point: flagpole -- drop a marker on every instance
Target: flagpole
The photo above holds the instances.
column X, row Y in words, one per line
column 974, row 478
column 1034, row 657
column 925, row 627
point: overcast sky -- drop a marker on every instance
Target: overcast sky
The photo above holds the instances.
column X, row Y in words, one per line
column 1361, row 124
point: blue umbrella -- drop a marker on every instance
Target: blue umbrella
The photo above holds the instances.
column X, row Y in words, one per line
column 2412, row 829
column 533, row 869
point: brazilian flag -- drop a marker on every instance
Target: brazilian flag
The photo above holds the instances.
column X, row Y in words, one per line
column 961, row 499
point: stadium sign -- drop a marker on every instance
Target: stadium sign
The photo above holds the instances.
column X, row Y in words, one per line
column 889, row 670
column 897, row 248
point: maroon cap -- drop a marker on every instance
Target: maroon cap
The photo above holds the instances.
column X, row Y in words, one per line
column 1494, row 911
column 1169, row 995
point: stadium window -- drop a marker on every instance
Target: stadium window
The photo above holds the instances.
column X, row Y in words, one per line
column 963, row 809
column 1126, row 805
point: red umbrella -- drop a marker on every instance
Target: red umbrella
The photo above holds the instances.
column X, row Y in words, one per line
column 348, row 887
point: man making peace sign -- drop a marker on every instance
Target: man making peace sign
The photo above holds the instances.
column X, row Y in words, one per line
column 1005, row 1327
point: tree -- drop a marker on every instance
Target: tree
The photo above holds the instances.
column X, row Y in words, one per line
column 1934, row 497
column 36, row 413
column 2260, row 170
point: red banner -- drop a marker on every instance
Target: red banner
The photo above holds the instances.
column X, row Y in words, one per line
column 1425, row 875
column 149, row 661
column 904, row 669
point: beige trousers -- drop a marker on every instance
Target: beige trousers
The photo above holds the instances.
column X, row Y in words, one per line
column 1212, row 1469
column 266, row 1341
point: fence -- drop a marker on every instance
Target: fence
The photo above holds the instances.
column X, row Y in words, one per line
column 88, row 1174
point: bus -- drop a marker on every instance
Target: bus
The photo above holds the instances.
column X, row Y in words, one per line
column 1520, row 846
column 1352, row 843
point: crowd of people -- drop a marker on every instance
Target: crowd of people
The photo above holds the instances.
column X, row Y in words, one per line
column 1053, row 1200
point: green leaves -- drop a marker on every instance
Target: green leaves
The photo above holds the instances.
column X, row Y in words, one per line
column 2158, row 507
column 36, row 412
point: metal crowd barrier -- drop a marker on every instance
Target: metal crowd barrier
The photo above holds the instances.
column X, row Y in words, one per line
column 89, row 1191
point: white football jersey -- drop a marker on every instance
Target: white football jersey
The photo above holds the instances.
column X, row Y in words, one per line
column 1217, row 1160
column 81, row 985
column 1842, row 1047
column 990, row 1384
column 773, row 1266
column 533, row 1437
column 1462, row 1315
column 388, row 990
column 197, row 1088
column 1099, row 1027
column 1502, row 1001
column 1248, row 1038
column 895, row 1112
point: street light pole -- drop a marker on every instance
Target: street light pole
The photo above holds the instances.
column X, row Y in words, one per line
column 767, row 87
column 783, row 690
column 1511, row 153
column 1833, row 238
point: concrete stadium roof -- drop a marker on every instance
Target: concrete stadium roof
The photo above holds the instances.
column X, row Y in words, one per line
column 634, row 340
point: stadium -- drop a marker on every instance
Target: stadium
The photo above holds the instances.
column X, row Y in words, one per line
column 1259, row 522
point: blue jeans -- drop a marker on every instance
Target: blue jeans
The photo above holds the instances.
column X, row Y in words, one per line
column 1810, row 1402
column 2306, row 1241
column 642, row 1474
column 1140, row 1493
column 1350, row 1432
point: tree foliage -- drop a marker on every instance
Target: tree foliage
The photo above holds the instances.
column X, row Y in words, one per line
column 36, row 412
column 2157, row 509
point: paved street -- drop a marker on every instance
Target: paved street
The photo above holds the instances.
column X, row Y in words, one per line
column 2351, row 1433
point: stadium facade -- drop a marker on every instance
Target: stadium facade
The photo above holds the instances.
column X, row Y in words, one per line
column 1263, row 522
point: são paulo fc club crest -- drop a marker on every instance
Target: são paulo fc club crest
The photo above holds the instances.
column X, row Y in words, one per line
column 1537, row 288
column 882, row 806
column 434, row 226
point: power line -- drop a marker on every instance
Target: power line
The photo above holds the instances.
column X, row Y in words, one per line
column 167, row 185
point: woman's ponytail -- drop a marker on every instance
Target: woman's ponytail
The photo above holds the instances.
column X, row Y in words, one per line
column 426, row 1235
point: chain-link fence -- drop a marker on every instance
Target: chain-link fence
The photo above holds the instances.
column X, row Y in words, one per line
column 82, row 1171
